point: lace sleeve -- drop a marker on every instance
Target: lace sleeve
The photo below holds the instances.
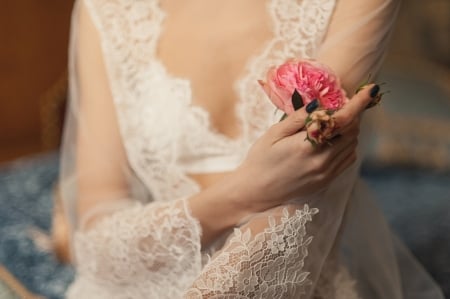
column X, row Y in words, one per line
column 265, row 258
column 153, row 248
column 357, row 37
column 126, row 244
column 287, row 252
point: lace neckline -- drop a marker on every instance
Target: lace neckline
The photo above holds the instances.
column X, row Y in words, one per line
column 140, row 86
column 245, row 73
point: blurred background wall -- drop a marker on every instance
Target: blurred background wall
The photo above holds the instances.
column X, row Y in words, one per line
column 420, row 45
column 33, row 59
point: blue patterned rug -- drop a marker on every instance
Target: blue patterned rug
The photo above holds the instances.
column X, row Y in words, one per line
column 417, row 204
column 25, row 200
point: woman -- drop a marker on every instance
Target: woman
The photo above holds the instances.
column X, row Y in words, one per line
column 170, row 144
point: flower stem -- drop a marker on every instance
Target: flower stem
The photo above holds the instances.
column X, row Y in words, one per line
column 283, row 117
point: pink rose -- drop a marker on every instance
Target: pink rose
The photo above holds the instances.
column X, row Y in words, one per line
column 311, row 79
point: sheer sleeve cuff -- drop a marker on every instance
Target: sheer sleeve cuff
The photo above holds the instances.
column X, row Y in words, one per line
column 157, row 243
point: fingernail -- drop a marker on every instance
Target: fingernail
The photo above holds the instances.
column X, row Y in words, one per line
column 297, row 101
column 313, row 105
column 374, row 91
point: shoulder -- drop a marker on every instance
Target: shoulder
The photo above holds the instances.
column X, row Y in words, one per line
column 123, row 21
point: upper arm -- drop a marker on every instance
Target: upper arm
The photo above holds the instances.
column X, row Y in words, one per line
column 99, row 152
column 357, row 37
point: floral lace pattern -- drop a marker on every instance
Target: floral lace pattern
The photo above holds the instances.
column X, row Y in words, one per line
column 153, row 250
column 265, row 265
column 147, row 248
column 130, row 31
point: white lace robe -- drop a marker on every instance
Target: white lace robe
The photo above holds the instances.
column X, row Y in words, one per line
column 129, row 116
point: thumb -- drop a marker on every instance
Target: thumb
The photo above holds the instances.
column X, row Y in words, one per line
column 291, row 124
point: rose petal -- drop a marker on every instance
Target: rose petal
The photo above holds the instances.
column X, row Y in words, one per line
column 310, row 78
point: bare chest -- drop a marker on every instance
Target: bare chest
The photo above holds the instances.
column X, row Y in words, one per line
column 209, row 43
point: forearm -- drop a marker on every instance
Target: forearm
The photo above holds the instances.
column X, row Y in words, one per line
column 282, row 250
column 220, row 206
column 156, row 241
column 260, row 258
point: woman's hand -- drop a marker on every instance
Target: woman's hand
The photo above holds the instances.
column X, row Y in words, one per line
column 282, row 165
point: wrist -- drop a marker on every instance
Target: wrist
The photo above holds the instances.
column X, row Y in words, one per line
column 221, row 206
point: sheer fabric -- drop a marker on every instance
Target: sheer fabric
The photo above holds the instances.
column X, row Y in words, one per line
column 125, row 155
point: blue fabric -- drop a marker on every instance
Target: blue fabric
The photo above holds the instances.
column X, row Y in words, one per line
column 417, row 206
column 26, row 202
column 415, row 202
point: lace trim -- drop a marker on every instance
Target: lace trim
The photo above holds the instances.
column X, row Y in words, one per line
column 130, row 30
column 140, row 247
column 143, row 246
column 268, row 265
column 298, row 28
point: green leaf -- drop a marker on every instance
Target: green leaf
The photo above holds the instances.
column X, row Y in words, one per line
column 364, row 83
column 308, row 119
column 297, row 100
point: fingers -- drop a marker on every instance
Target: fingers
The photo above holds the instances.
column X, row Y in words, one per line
column 325, row 158
column 340, row 145
column 348, row 158
column 351, row 128
column 356, row 105
column 341, row 160
column 291, row 125
column 347, row 116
